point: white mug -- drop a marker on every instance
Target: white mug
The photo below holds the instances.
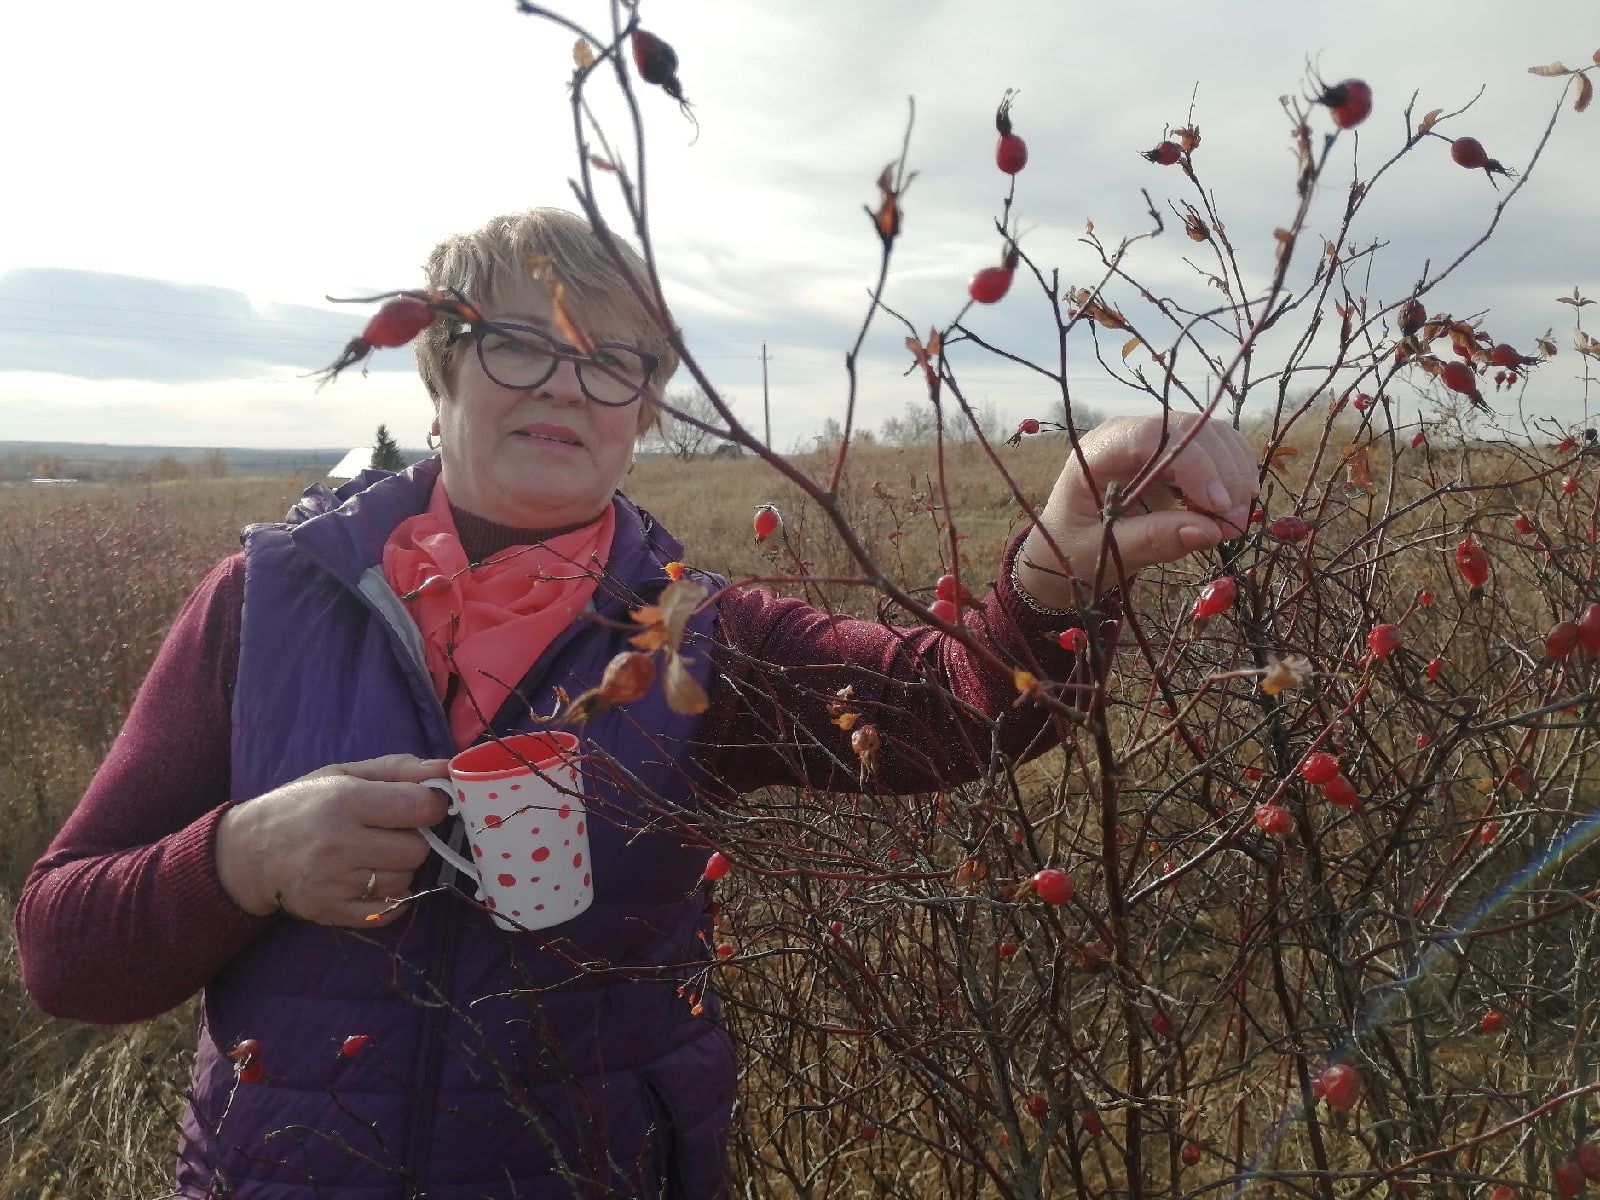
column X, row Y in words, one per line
column 521, row 799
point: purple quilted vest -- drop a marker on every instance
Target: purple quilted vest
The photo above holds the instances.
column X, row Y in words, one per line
column 562, row 1063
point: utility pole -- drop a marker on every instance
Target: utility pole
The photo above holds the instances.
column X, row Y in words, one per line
column 766, row 405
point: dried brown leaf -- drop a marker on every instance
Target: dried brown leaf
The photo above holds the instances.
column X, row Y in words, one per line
column 1551, row 69
column 1131, row 345
column 1285, row 673
column 683, row 691
column 1188, row 137
column 582, row 54
column 1585, row 93
column 664, row 620
column 1429, row 120
column 602, row 164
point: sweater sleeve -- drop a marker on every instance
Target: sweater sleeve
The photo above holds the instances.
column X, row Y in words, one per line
column 124, row 917
column 939, row 710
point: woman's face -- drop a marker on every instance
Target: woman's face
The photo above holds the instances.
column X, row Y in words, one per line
column 540, row 458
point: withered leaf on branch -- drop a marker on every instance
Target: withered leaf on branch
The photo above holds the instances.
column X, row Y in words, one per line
column 1585, row 93
column 1083, row 302
column 544, row 271
column 1429, row 120
column 923, row 354
column 1577, row 299
column 582, row 54
column 1277, row 455
column 684, row 693
column 602, row 164
column 1131, row 345
column 1551, row 69
column 1358, row 467
column 1188, row 137
column 1284, row 673
column 1546, row 345
column 664, row 620
column 887, row 217
column 1196, row 228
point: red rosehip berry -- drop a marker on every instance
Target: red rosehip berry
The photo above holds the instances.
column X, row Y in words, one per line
column 1569, row 485
column 245, row 1050
column 836, row 928
column 1522, row 524
column 1566, row 444
column 1074, row 639
column 1253, row 773
column 1010, row 153
column 1190, row 1154
column 1161, row 1023
column 724, row 950
column 1338, row 1086
column 1216, row 597
column 354, row 1044
column 1588, row 1157
column 1473, row 563
column 1165, row 154
column 397, row 322
column 1384, row 640
column 1342, row 792
column 1423, row 741
column 1052, row 886
column 1589, row 631
column 1492, row 1021
column 716, row 867
column 1504, row 355
column 1569, row 1179
column 990, row 285
column 251, row 1071
column 1418, row 439
column 1007, row 951
column 944, row 610
column 1561, row 641
column 1488, row 831
column 1469, row 152
column 1434, row 668
column 1349, row 102
column 1028, row 425
column 1092, row 1124
column 1362, row 402
column 1459, row 377
column 1425, row 598
column 766, row 522
column 947, row 588
column 868, row 1132
column 1503, row 1193
column 1273, row 819
column 1038, row 1106
column 1289, row 529
column 1411, row 317
column 1317, row 768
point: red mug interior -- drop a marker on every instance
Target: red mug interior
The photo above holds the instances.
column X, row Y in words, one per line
column 500, row 760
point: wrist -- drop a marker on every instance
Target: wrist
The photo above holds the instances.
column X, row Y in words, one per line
column 239, row 868
column 1040, row 574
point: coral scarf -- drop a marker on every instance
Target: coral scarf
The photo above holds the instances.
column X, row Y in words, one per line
column 494, row 621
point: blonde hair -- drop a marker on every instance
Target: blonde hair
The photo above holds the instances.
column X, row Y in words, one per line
column 496, row 256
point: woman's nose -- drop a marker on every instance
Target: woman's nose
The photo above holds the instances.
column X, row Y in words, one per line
column 563, row 385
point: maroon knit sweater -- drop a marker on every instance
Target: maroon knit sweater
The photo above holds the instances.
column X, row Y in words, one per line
column 124, row 916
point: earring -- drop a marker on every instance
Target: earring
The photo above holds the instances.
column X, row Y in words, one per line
column 433, row 437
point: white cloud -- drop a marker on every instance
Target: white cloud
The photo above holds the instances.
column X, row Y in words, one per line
column 315, row 148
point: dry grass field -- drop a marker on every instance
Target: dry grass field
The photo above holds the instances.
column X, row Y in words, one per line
column 1233, row 951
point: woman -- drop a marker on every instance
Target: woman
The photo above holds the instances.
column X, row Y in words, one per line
column 265, row 796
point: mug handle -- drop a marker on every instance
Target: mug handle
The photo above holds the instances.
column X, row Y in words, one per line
column 450, row 856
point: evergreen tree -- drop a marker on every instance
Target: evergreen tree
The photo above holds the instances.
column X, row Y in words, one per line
column 386, row 454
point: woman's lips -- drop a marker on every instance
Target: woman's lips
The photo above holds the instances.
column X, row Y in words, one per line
column 558, row 435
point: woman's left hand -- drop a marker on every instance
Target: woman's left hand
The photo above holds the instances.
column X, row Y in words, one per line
column 1216, row 472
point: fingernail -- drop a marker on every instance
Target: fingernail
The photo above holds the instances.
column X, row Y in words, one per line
column 1194, row 538
column 1218, row 495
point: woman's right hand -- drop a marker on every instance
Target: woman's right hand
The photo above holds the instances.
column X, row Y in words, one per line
column 310, row 846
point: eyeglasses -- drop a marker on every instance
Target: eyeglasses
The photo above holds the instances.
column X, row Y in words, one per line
column 522, row 357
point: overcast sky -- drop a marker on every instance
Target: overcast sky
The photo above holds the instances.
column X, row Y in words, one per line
column 187, row 180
